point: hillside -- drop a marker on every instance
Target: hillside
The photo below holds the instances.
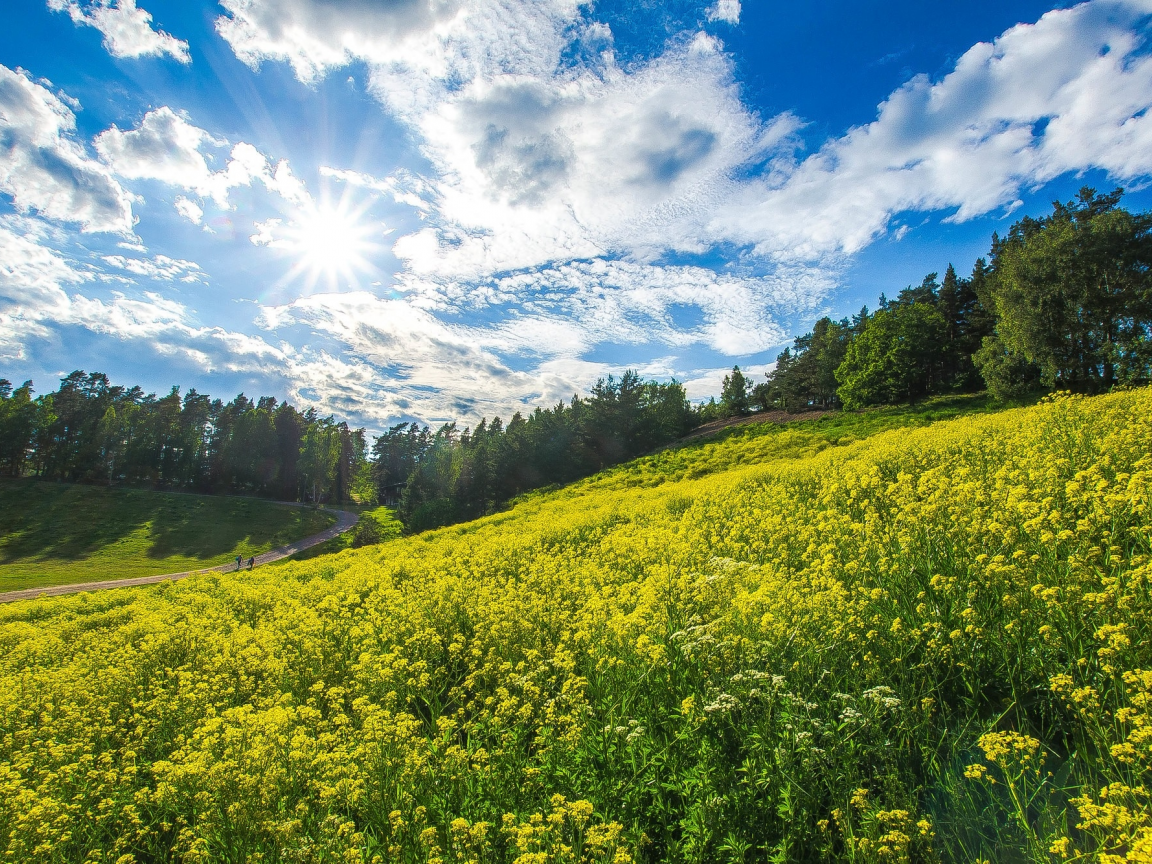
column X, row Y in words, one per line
column 56, row 534
column 791, row 643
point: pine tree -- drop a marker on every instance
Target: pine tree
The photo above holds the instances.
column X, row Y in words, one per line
column 734, row 395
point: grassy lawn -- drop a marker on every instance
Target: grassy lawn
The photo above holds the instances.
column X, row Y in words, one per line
column 56, row 534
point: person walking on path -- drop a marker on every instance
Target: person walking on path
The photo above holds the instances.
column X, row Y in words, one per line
column 251, row 562
column 239, row 558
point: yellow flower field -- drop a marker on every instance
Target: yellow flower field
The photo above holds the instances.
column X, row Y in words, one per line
column 928, row 645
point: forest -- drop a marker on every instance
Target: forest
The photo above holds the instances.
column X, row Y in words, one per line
column 1060, row 303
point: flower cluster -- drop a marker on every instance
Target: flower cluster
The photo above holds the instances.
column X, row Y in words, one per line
column 779, row 646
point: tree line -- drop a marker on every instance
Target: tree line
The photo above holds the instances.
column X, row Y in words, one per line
column 91, row 431
column 1062, row 302
column 437, row 478
column 1059, row 302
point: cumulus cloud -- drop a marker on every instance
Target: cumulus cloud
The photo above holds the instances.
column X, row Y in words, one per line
column 45, row 169
column 435, row 369
column 265, row 232
column 168, row 148
column 567, row 309
column 32, row 275
column 597, row 163
column 539, row 161
column 164, row 147
column 562, row 182
column 414, row 45
column 40, row 292
column 127, row 29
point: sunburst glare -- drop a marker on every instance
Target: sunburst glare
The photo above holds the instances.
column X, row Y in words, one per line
column 333, row 245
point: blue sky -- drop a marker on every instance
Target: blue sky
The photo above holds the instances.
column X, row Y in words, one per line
column 447, row 209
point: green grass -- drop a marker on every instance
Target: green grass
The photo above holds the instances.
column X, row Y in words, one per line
column 761, row 443
column 57, row 534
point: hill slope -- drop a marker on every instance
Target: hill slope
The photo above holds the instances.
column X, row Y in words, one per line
column 56, row 534
column 773, row 647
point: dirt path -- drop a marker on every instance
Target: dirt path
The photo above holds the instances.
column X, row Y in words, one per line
column 344, row 521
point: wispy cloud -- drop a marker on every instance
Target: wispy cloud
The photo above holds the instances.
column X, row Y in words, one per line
column 1066, row 94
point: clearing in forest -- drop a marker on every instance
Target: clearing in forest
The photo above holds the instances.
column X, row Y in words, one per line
column 57, row 534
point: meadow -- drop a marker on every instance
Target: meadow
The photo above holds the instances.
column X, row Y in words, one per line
column 58, row 534
column 815, row 642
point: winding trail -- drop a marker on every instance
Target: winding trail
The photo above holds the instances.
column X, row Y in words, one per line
column 344, row 521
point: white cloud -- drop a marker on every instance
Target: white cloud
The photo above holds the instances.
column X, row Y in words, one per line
column 559, row 187
column 265, row 235
column 567, row 309
column 159, row 267
column 421, row 366
column 403, row 186
column 538, row 161
column 533, row 171
column 168, row 148
column 414, row 46
column 164, row 147
column 1067, row 93
column 190, row 210
column 37, row 298
column 45, row 169
column 31, row 272
column 436, row 370
column 725, row 10
column 126, row 28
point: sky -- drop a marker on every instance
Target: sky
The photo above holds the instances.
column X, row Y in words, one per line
column 442, row 210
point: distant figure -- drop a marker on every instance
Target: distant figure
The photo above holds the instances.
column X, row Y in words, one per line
column 239, row 558
column 251, row 562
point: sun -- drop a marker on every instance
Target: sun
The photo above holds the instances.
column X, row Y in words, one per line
column 332, row 244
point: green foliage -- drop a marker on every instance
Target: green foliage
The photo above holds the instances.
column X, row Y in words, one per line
column 376, row 526
column 92, row 431
column 1066, row 302
column 894, row 358
column 734, row 394
column 19, row 417
column 805, row 375
column 56, row 534
column 1073, row 292
column 449, row 476
column 1008, row 375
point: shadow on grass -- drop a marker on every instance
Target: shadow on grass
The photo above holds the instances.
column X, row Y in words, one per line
column 44, row 521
